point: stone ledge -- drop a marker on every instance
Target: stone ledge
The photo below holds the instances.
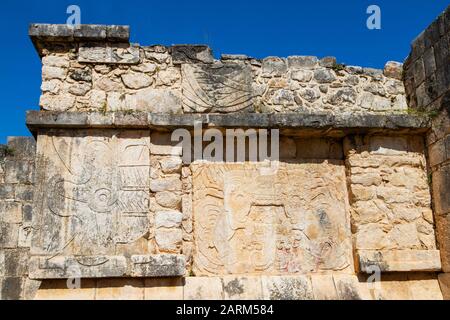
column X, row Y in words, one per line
column 63, row 267
column 139, row 120
column 399, row 260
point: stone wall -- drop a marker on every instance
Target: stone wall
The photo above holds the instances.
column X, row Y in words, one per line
column 114, row 76
column 427, row 82
column 360, row 184
column 16, row 212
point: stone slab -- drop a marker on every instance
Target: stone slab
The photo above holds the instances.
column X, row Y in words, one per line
column 399, row 260
column 162, row 265
column 163, row 289
column 353, row 123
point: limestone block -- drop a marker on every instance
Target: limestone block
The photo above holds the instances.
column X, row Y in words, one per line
column 165, row 184
column 11, row 288
column 323, row 287
column 61, row 61
column 182, row 54
column 392, row 287
column 270, row 228
column 135, row 80
column 168, row 199
column 242, row 288
column 49, row 73
column 216, row 88
column 393, row 69
column 161, row 265
column 424, row 289
column 114, row 53
column 10, row 212
column 441, row 189
column 161, row 144
column 61, row 267
column 273, row 66
column 168, row 219
column 163, row 289
column 58, row 290
column 203, row 288
column 323, row 75
column 18, row 171
column 9, row 235
column 120, row 289
column 302, row 62
column 171, row 164
column 400, row 260
column 168, row 240
column 348, row 287
column 287, row 288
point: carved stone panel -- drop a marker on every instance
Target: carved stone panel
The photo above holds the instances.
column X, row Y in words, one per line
column 293, row 221
column 92, row 204
column 218, row 87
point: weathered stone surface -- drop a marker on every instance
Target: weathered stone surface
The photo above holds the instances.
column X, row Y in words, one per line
column 399, row 260
column 242, row 288
column 168, row 219
column 58, row 290
column 287, row 288
column 108, row 53
column 120, row 289
column 162, row 265
column 216, row 88
column 191, row 54
column 323, row 287
column 203, row 288
column 265, row 234
column 89, row 179
column 163, row 289
column 153, row 100
column 302, row 62
column 444, row 284
column 393, row 69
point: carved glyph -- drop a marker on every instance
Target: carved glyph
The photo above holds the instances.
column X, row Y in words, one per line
column 216, row 87
column 294, row 221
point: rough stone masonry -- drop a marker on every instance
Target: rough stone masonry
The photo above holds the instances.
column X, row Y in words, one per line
column 101, row 196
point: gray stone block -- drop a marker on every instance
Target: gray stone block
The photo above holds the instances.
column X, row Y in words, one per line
column 191, row 54
column 9, row 235
column 11, row 288
column 22, row 147
column 6, row 191
column 88, row 32
column 162, row 265
column 19, row 171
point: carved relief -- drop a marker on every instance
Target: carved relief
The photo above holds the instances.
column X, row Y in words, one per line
column 216, row 87
column 294, row 221
column 93, row 195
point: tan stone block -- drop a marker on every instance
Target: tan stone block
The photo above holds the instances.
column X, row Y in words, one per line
column 287, row 288
column 323, row 287
column 441, row 190
column 399, row 260
column 443, row 239
column 242, row 288
column 58, row 290
column 383, row 145
column 288, row 149
column 392, row 287
column 371, row 237
column 203, row 288
column 162, row 144
column 10, row 212
column 120, row 289
column 444, row 283
column 163, row 289
column 437, row 152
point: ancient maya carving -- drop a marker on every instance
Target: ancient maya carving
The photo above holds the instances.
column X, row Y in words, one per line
column 95, row 195
column 246, row 222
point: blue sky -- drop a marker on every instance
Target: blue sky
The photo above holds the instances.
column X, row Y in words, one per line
column 256, row 28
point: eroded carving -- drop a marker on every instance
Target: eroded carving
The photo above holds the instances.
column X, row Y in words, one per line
column 216, row 87
column 294, row 221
